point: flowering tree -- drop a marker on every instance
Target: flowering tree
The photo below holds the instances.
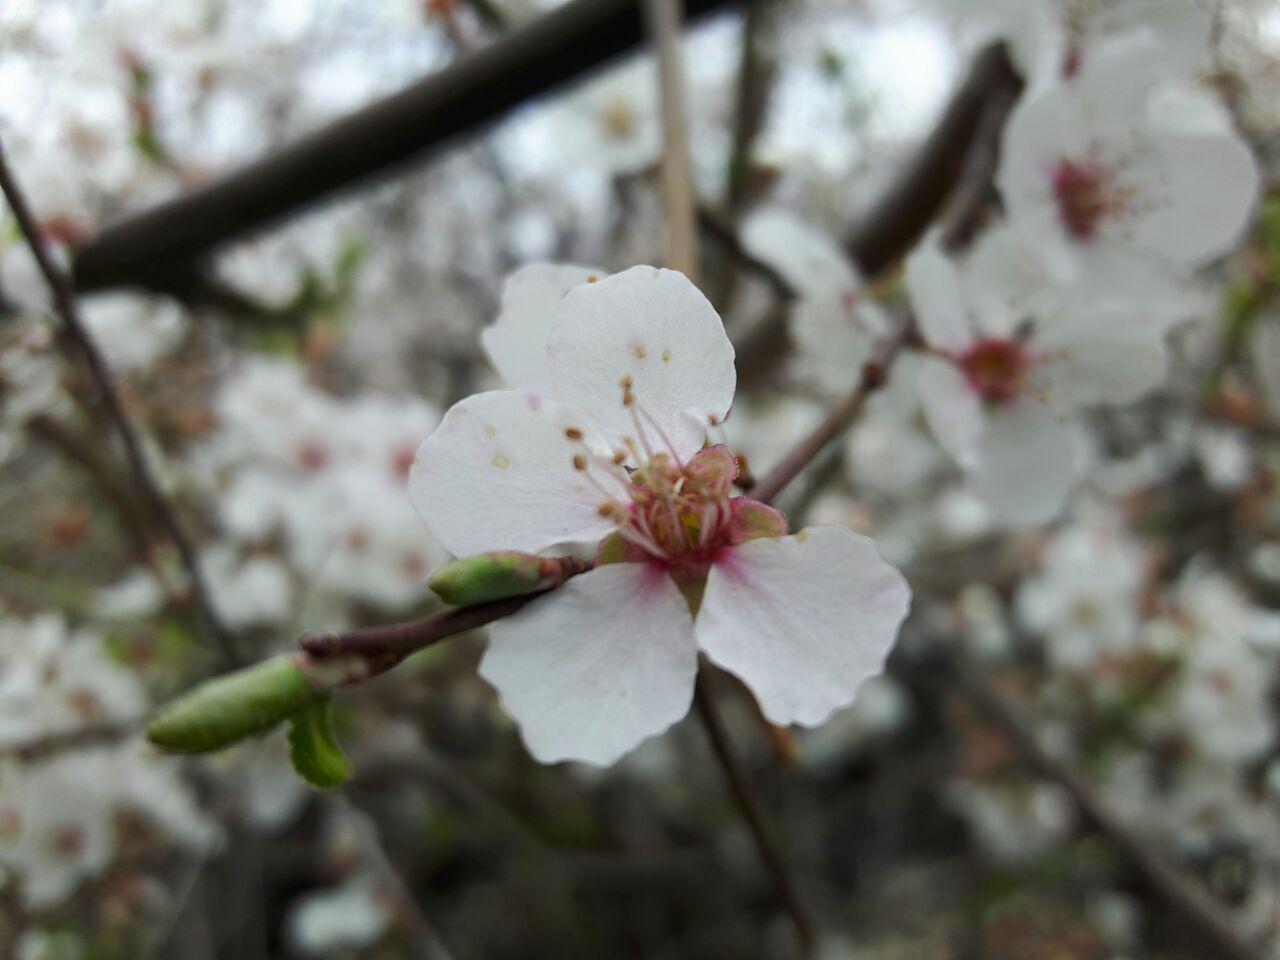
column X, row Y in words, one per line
column 953, row 528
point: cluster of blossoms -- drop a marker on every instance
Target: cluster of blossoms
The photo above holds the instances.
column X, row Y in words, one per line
column 61, row 816
column 619, row 440
column 314, row 485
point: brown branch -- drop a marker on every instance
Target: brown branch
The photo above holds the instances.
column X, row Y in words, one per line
column 903, row 214
column 398, row 640
column 740, row 786
column 839, row 419
column 52, row 432
column 65, row 305
column 1190, row 901
column 149, row 247
column 972, row 121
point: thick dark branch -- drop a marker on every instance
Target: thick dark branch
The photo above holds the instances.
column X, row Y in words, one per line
column 906, row 211
column 532, row 60
column 64, row 302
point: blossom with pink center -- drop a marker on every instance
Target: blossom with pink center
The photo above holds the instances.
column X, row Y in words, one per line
column 835, row 323
column 1120, row 177
column 1007, row 374
column 615, row 452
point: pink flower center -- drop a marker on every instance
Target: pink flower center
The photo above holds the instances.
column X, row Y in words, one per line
column 1086, row 194
column 668, row 511
column 996, row 369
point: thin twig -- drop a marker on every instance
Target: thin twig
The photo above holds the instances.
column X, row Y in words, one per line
column 756, row 68
column 52, row 432
column 1189, row 899
column 64, row 301
column 679, row 206
column 740, row 786
column 842, row 415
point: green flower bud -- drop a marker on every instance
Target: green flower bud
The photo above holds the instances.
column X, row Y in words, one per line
column 231, row 707
column 493, row 576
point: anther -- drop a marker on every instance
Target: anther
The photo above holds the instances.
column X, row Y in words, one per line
column 573, row 433
column 579, row 462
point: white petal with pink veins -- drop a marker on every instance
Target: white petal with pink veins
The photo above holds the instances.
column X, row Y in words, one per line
column 656, row 328
column 952, row 409
column 498, row 474
column 597, row 666
column 1098, row 354
column 1028, row 464
column 517, row 341
column 803, row 620
column 938, row 298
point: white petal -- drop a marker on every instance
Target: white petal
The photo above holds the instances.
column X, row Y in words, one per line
column 657, row 328
column 803, row 620
column 835, row 332
column 517, row 341
column 497, row 474
column 1203, row 183
column 808, row 259
column 596, row 666
column 1028, row 463
column 1099, row 354
column 938, row 298
column 952, row 409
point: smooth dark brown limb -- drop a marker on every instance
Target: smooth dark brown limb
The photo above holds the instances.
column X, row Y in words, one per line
column 145, row 249
column 903, row 214
column 64, row 301
column 744, row 796
column 1191, row 903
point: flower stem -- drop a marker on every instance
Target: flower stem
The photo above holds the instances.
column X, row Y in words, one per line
column 64, row 302
column 740, row 786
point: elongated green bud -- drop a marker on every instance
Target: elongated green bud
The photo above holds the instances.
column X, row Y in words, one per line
column 493, row 576
column 229, row 708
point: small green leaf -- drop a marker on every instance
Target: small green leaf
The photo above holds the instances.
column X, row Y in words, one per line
column 313, row 749
column 221, row 711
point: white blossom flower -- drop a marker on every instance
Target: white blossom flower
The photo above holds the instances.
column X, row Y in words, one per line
column 1052, row 39
column 54, row 682
column 640, row 367
column 55, row 829
column 349, row 916
column 834, row 321
column 1222, row 698
column 890, row 448
column 1084, row 598
column 58, row 815
column 1000, row 387
column 1117, row 179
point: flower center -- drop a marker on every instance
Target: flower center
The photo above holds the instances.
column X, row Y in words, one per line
column 996, row 369
column 1086, row 193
